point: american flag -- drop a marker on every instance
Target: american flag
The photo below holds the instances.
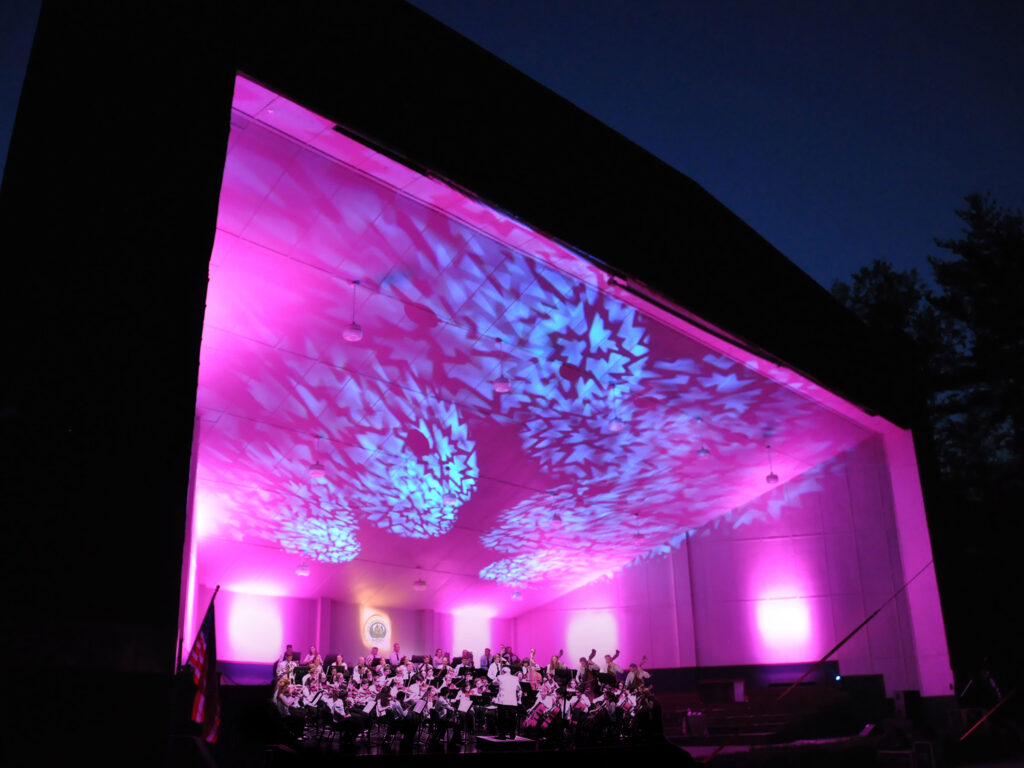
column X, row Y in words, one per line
column 203, row 660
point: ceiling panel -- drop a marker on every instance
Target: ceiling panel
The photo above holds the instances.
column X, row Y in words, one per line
column 618, row 435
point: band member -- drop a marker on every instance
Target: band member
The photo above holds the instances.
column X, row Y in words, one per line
column 486, row 658
column 312, row 658
column 396, row 656
column 610, row 667
column 508, row 698
column 286, row 667
column 513, row 660
column 586, row 675
column 637, row 675
column 361, row 671
column 556, row 663
column 287, row 703
column 531, row 670
column 338, row 669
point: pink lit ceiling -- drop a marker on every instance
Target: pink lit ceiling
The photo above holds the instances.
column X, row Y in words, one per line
column 620, row 432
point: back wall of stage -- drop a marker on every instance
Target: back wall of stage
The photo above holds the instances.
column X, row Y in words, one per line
column 781, row 579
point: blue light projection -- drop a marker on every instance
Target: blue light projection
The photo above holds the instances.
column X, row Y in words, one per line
column 596, row 355
column 329, row 539
column 579, row 530
column 589, row 462
column 417, row 490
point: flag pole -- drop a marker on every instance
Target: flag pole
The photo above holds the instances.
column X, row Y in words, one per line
column 181, row 641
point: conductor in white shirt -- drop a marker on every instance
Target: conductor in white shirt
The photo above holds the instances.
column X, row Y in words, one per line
column 508, row 698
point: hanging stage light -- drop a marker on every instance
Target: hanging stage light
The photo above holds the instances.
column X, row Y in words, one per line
column 501, row 385
column 353, row 331
column 771, row 478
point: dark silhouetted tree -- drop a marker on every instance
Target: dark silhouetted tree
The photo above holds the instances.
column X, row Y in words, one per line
column 983, row 296
column 969, row 337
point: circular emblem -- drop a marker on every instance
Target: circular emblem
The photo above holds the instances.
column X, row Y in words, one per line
column 376, row 629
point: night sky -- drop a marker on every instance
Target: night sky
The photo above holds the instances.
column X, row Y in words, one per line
column 841, row 136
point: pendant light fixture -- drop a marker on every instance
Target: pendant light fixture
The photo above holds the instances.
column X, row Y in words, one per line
column 317, row 471
column 771, row 477
column 448, row 498
column 501, row 385
column 353, row 331
column 702, row 452
column 419, row 584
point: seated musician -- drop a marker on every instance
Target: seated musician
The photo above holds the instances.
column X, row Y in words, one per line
column 464, row 663
column 361, row 671
column 396, row 656
column 540, row 714
column 337, row 669
column 444, row 672
column 312, row 658
column 463, row 704
column 579, row 703
column 315, row 675
column 441, row 716
column 405, row 720
column 287, row 704
column 335, row 702
column 513, row 660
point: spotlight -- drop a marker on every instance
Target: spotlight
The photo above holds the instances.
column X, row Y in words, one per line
column 517, row 595
column 556, row 518
column 302, row 569
column 771, row 478
column 449, row 499
column 317, row 471
column 419, row 585
column 616, row 425
column 703, row 452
